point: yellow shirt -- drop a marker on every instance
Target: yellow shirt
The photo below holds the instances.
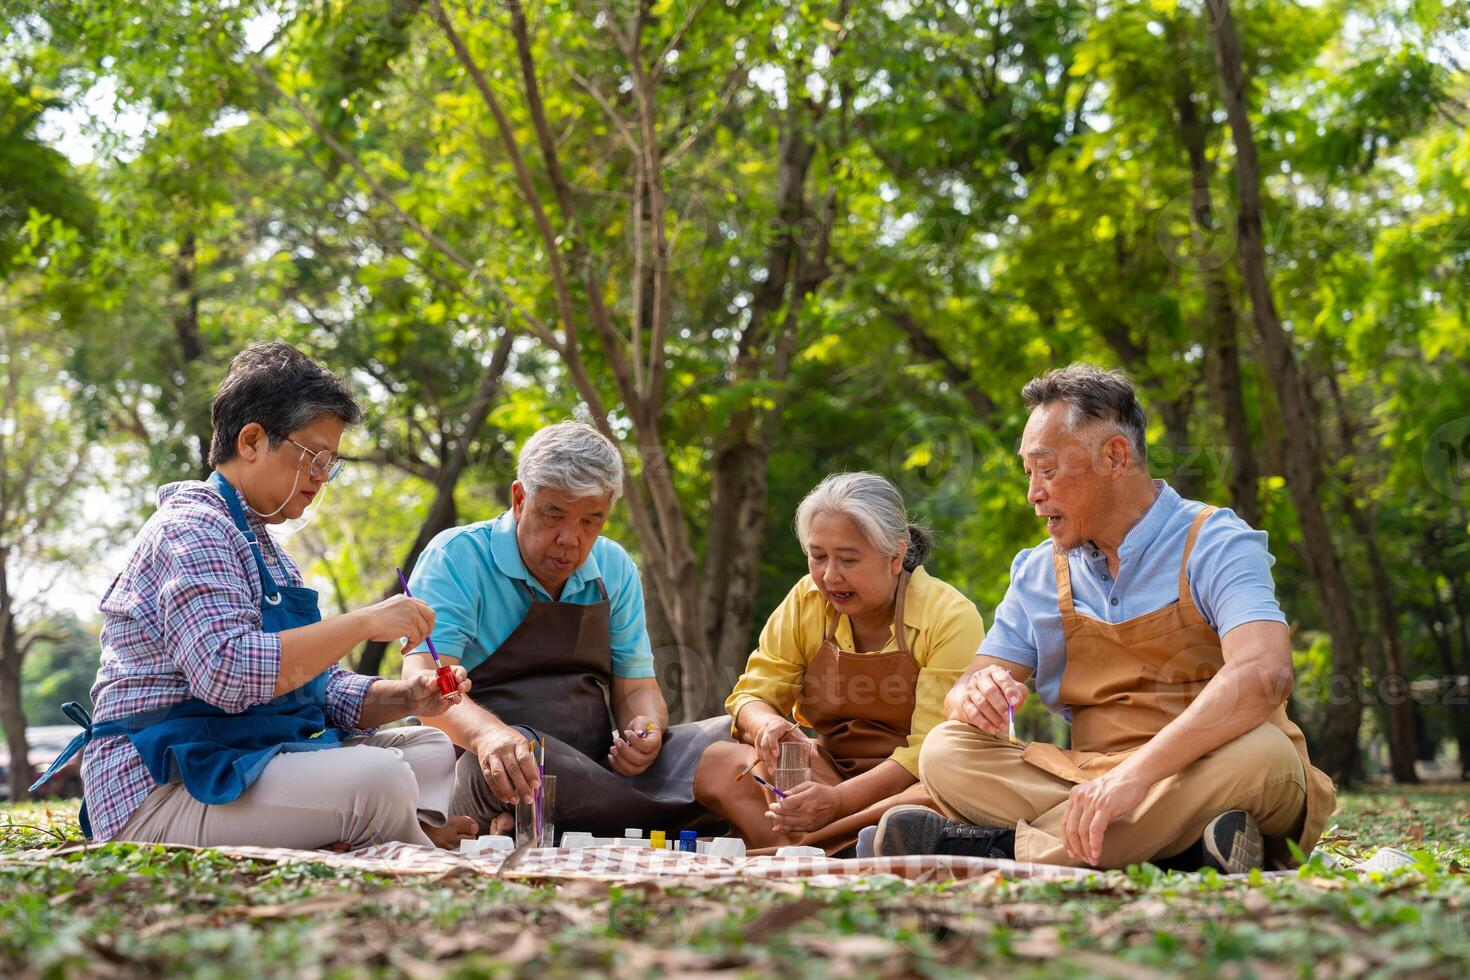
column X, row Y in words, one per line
column 944, row 632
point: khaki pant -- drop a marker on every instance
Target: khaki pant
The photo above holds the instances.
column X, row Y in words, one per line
column 981, row 779
column 373, row 790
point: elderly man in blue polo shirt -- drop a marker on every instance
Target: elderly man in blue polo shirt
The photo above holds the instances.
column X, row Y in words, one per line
column 547, row 617
column 1150, row 623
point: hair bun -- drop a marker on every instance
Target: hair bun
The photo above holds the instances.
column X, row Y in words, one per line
column 921, row 543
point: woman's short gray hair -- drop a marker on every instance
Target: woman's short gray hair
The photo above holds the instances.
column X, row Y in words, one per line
column 572, row 457
column 877, row 508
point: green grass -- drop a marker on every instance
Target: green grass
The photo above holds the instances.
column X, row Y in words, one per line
column 131, row 910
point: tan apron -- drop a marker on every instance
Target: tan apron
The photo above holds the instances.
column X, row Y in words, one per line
column 861, row 706
column 1125, row 681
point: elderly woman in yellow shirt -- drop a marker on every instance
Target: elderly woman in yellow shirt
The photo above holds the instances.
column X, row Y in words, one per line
column 862, row 652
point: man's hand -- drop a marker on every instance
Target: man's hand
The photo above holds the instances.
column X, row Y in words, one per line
column 810, row 806
column 770, row 732
column 423, row 694
column 1093, row 806
column 507, row 762
column 630, row 754
column 981, row 699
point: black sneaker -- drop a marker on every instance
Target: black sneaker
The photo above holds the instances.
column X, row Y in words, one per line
column 1232, row 843
column 916, row 829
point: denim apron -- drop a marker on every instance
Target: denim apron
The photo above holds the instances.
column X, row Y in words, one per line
column 218, row 754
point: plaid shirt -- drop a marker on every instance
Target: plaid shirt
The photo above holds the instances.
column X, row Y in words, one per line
column 183, row 620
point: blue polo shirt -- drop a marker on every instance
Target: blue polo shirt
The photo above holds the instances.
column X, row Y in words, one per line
column 1229, row 579
column 475, row 581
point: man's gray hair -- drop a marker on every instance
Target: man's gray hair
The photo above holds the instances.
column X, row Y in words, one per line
column 875, row 505
column 1092, row 394
column 572, row 457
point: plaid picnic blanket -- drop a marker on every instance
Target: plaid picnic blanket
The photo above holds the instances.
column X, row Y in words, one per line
column 634, row 864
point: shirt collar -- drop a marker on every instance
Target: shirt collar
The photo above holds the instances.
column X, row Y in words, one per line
column 1151, row 524
column 506, row 551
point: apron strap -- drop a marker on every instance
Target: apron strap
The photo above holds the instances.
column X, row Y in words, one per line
column 1063, row 566
column 268, row 589
column 903, row 590
column 1199, row 520
column 898, row 631
column 832, row 622
column 82, row 717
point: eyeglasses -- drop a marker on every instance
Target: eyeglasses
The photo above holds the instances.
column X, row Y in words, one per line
column 324, row 465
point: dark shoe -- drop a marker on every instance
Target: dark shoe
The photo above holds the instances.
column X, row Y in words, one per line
column 1233, row 844
column 919, row 830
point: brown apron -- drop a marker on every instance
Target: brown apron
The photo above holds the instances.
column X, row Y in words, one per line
column 861, row 706
column 551, row 678
column 1125, row 681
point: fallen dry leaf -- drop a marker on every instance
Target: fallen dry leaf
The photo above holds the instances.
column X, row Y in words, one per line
column 780, row 917
column 1041, row 943
column 851, row 947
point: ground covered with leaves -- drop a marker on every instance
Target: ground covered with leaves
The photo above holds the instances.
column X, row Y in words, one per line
column 130, row 910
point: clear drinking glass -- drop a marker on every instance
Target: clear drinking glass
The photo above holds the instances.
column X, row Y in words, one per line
column 535, row 821
column 795, row 766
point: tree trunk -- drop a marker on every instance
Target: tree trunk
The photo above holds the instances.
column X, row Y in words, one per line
column 1185, row 475
column 1339, row 735
column 1462, row 616
column 12, row 716
column 736, row 536
column 191, row 349
column 1394, row 679
column 737, row 512
column 442, row 517
column 444, row 514
column 1439, row 628
column 1222, row 352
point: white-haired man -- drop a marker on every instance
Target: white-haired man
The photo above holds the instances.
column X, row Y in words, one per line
column 547, row 617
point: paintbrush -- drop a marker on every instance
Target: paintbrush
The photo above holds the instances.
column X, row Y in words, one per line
column 447, row 684
column 747, row 771
column 1011, row 712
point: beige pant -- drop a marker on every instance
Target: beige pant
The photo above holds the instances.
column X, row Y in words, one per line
column 981, row 779
column 372, row 790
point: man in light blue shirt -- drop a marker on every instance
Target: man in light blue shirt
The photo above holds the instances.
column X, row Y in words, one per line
column 547, row 617
column 1027, row 629
column 1151, row 624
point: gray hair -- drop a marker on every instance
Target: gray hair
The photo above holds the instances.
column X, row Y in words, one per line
column 1092, row 394
column 572, row 457
column 875, row 506
column 280, row 389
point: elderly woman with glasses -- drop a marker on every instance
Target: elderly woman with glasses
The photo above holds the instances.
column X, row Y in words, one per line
column 222, row 715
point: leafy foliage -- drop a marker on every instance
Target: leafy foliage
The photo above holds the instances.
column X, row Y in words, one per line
column 137, row 908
